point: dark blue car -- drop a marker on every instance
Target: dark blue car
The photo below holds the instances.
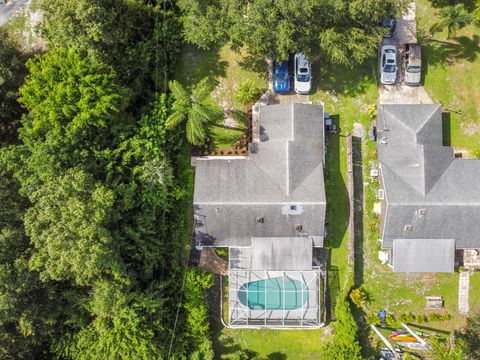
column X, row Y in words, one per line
column 281, row 77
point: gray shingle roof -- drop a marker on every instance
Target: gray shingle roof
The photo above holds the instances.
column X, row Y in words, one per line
column 286, row 169
column 420, row 173
column 423, row 255
column 274, row 253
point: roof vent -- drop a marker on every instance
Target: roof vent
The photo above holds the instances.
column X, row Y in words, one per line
column 408, row 227
column 298, row 227
column 260, row 220
column 422, row 213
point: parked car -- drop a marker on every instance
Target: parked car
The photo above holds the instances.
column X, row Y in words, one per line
column 303, row 74
column 391, row 24
column 412, row 64
column 388, row 64
column 281, row 77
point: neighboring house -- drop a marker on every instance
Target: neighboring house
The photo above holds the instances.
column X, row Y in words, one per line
column 268, row 208
column 430, row 199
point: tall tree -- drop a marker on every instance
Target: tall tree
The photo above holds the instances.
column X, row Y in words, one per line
column 454, row 17
column 30, row 311
column 67, row 225
column 192, row 109
column 341, row 31
column 75, row 110
column 12, row 72
column 126, row 34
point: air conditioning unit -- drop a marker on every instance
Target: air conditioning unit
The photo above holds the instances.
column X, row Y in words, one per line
column 298, row 227
column 408, row 227
column 422, row 212
column 260, row 220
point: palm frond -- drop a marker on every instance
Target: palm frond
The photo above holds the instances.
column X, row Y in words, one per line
column 202, row 90
column 174, row 119
column 205, row 114
column 178, row 91
column 195, row 130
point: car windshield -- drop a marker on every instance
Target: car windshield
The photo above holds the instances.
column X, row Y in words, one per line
column 389, row 68
column 281, row 76
column 413, row 69
column 303, row 77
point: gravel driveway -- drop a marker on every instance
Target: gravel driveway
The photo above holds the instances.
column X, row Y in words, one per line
column 401, row 93
column 9, row 8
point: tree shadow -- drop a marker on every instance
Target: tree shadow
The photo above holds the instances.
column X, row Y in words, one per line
column 337, row 212
column 446, row 52
column 469, row 4
column 254, row 63
column 358, row 209
column 196, row 64
column 333, row 289
column 349, row 81
column 277, row 356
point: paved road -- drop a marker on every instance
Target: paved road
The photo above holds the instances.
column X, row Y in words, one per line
column 401, row 93
column 9, row 8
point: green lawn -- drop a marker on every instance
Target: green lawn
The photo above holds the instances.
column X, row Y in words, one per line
column 346, row 94
column 229, row 69
column 452, row 67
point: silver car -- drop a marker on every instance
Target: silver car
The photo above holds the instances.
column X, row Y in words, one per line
column 413, row 64
column 303, row 74
column 388, row 65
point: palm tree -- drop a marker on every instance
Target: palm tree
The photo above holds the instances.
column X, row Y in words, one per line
column 454, row 17
column 247, row 92
column 192, row 108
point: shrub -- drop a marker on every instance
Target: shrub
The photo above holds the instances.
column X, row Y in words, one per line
column 247, row 92
column 421, row 319
column 390, row 319
column 372, row 319
column 344, row 344
column 359, row 297
column 372, row 111
column 434, row 317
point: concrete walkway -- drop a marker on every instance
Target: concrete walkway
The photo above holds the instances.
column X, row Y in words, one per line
column 9, row 8
column 401, row 93
column 463, row 292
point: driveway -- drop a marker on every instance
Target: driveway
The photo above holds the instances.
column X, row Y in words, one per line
column 8, row 8
column 401, row 93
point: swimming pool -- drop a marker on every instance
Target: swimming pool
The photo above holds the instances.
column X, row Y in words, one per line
column 279, row 293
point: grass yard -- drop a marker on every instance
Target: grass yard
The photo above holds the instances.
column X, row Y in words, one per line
column 451, row 69
column 229, row 69
column 346, row 94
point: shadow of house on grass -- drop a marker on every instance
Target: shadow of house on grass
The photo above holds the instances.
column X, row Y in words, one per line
column 358, row 206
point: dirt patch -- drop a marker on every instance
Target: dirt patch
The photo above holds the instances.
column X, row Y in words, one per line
column 470, row 128
column 210, row 261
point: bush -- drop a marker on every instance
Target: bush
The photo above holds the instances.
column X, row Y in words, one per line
column 372, row 111
column 359, row 297
column 248, row 92
column 344, row 344
column 434, row 317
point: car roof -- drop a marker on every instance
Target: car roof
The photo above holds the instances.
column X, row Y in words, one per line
column 415, row 57
column 302, row 60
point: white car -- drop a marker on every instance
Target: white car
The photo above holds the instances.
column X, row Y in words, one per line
column 388, row 65
column 303, row 74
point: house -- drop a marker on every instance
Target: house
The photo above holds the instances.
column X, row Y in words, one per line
column 268, row 208
column 430, row 201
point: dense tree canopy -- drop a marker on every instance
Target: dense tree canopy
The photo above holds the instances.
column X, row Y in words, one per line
column 12, row 71
column 341, row 31
column 125, row 34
